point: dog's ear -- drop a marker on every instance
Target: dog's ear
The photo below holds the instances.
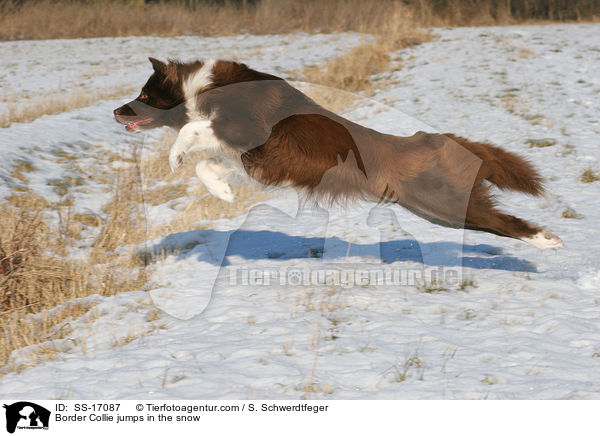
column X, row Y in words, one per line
column 158, row 66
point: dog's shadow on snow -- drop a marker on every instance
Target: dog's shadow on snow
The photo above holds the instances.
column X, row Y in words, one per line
column 222, row 248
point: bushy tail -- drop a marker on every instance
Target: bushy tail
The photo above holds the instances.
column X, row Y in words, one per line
column 504, row 169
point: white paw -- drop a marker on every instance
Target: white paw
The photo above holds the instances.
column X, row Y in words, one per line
column 222, row 191
column 214, row 182
column 544, row 240
column 175, row 159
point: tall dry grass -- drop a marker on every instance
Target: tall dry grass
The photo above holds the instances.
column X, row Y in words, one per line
column 487, row 12
column 69, row 19
column 45, row 19
column 394, row 29
column 354, row 70
column 36, row 274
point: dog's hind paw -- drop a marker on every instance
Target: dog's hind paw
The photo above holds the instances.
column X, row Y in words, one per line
column 223, row 192
column 214, row 183
column 544, row 240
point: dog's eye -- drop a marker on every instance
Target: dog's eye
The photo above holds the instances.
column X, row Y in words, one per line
column 143, row 96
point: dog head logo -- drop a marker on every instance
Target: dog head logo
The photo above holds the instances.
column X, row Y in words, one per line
column 26, row 415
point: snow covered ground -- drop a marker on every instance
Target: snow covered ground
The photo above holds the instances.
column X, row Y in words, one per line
column 526, row 323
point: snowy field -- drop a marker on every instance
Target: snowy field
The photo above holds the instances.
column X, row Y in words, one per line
column 521, row 323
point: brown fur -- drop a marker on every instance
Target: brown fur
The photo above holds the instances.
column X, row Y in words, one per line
column 505, row 170
column 287, row 139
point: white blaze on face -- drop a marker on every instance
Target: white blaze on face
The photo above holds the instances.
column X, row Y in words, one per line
column 194, row 84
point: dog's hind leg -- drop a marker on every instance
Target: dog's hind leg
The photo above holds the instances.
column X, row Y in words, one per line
column 213, row 174
column 481, row 215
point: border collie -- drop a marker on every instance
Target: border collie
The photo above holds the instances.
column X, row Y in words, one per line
column 260, row 126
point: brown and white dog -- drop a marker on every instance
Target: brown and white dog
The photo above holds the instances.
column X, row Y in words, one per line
column 278, row 136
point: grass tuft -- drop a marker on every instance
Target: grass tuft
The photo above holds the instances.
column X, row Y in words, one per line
column 589, row 176
column 570, row 214
column 540, row 143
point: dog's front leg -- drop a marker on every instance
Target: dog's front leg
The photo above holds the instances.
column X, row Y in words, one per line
column 195, row 135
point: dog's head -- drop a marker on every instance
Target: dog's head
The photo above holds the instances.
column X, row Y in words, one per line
column 160, row 103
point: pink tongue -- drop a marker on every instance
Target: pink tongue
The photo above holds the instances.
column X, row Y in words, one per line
column 134, row 125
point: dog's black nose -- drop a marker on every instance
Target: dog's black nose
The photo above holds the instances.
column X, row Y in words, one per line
column 125, row 111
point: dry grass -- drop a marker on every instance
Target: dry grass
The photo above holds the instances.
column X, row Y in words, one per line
column 351, row 72
column 53, row 103
column 540, row 143
column 590, row 176
column 354, row 71
column 503, row 12
column 148, row 181
column 125, row 223
column 394, row 29
column 94, row 18
column 67, row 19
column 570, row 214
column 35, row 273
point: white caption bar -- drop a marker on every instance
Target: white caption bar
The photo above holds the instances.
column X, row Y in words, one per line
column 150, row 417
